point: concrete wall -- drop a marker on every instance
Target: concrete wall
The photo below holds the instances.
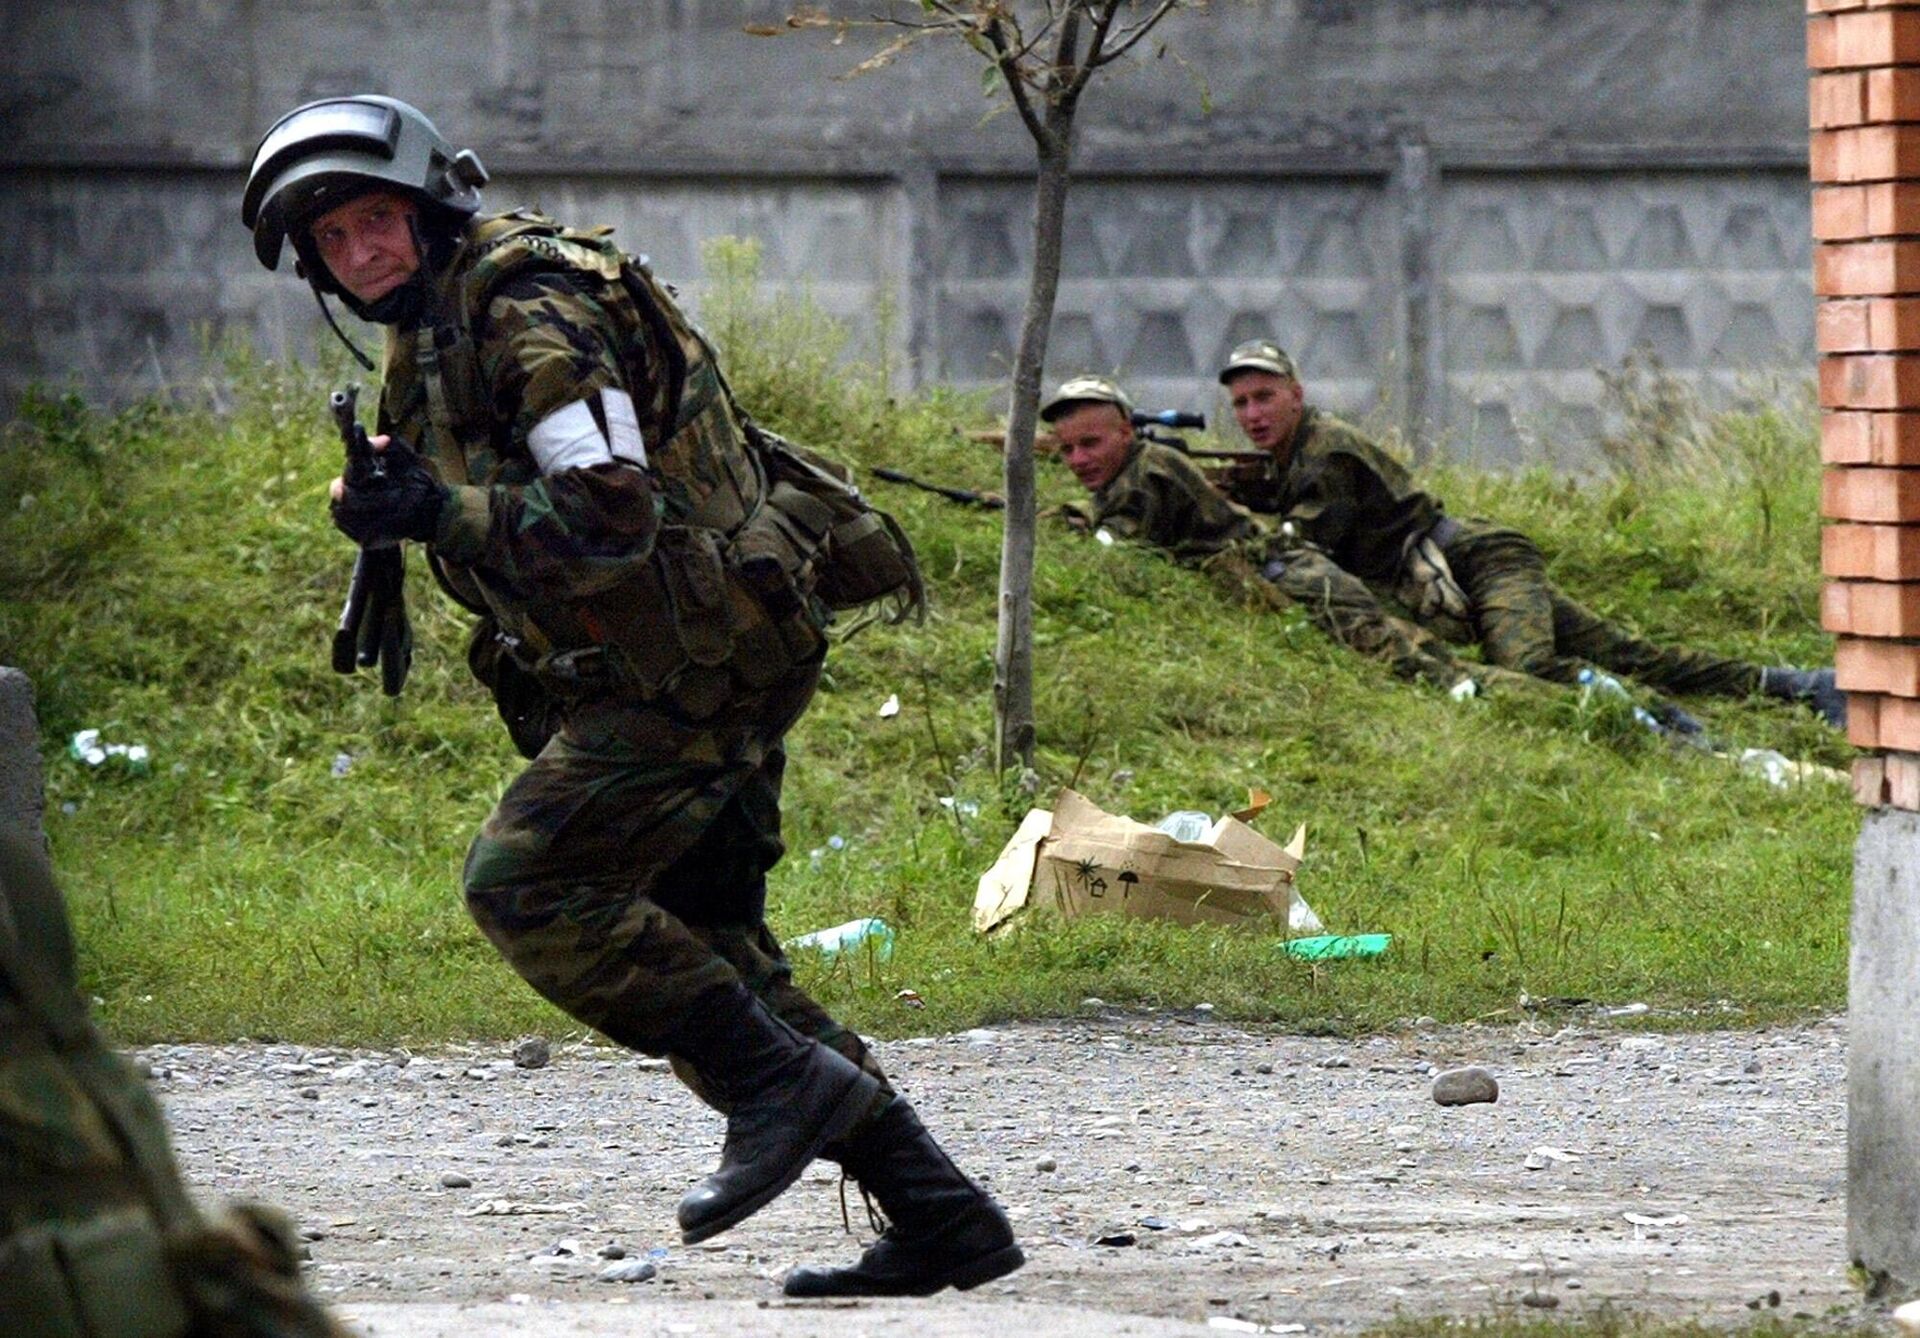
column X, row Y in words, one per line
column 1450, row 210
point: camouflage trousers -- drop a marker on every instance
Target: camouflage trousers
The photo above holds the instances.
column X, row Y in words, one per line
column 1523, row 623
column 623, row 873
column 1345, row 608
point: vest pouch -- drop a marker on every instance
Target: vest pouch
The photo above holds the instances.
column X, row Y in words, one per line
column 702, row 616
column 866, row 556
column 104, row 1277
column 696, row 582
column 777, row 628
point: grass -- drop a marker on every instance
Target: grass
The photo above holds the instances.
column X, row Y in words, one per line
column 168, row 575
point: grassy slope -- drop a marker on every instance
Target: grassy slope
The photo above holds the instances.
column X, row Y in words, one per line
column 168, row 575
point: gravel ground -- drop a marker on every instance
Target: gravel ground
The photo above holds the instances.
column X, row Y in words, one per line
column 1165, row 1168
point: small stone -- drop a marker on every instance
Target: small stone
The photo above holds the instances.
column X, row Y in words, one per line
column 1752, row 1066
column 1116, row 1239
column 1336, row 1062
column 1469, row 1086
column 455, row 1180
column 1541, row 1301
column 1046, row 1164
column 613, row 1249
column 309, row 1093
column 1908, row 1317
column 628, row 1270
column 1263, row 1068
column 532, row 1053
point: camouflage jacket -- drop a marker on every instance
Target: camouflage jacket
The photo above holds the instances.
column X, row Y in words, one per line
column 1160, row 497
column 527, row 321
column 1344, row 495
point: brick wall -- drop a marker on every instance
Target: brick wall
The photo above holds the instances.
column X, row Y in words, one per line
column 1865, row 110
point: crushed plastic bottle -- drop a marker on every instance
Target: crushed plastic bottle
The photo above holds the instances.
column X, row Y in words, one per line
column 853, row 934
column 1775, row 768
column 1186, row 825
column 88, row 747
column 1607, row 685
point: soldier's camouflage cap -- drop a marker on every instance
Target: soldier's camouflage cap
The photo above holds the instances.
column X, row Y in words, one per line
column 1084, row 390
column 1258, row 355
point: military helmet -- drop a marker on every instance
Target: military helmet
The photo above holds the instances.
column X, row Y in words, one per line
column 1258, row 355
column 1085, row 390
column 324, row 153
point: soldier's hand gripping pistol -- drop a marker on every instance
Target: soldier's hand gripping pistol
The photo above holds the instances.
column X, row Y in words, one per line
column 373, row 627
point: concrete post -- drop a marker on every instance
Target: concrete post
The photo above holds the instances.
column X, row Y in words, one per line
column 23, row 795
column 1883, row 1040
column 919, row 189
column 1413, row 184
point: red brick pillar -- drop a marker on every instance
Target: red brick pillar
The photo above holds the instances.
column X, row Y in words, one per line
column 1865, row 59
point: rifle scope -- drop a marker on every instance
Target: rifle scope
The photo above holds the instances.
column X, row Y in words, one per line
column 1170, row 418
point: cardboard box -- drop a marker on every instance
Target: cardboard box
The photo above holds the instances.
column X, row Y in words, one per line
column 1077, row 859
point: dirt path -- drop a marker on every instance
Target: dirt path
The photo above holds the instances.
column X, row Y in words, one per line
column 1275, row 1180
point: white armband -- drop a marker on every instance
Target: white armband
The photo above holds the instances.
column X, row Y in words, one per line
column 572, row 438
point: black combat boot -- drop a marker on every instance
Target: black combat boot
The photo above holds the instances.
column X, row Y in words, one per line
column 944, row 1230
column 786, row 1097
column 1815, row 687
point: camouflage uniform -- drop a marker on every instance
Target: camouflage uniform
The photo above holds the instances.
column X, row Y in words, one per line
column 1162, row 498
column 623, row 874
column 98, row 1237
column 1346, row 496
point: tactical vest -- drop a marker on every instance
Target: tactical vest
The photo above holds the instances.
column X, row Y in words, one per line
column 742, row 579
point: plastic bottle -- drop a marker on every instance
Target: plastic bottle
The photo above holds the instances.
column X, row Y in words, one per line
column 1613, row 687
column 853, row 934
column 1186, row 825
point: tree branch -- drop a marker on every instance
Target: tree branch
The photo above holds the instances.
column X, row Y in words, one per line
column 1130, row 36
column 1012, row 75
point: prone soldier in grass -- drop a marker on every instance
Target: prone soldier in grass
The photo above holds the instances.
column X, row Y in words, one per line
column 1151, row 492
column 653, row 576
column 1481, row 582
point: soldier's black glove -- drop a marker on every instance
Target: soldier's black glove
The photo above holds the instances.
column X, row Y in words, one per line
column 374, row 628
column 404, row 505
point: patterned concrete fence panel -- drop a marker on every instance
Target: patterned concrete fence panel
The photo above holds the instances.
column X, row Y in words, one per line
column 1548, row 277
column 1160, row 277
column 118, row 278
column 835, row 243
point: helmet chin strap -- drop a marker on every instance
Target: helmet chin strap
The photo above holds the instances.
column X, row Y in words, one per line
column 334, row 325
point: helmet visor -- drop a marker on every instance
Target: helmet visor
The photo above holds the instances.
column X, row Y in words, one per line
column 356, row 127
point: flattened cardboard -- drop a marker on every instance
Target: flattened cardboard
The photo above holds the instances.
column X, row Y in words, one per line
column 1077, row 859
